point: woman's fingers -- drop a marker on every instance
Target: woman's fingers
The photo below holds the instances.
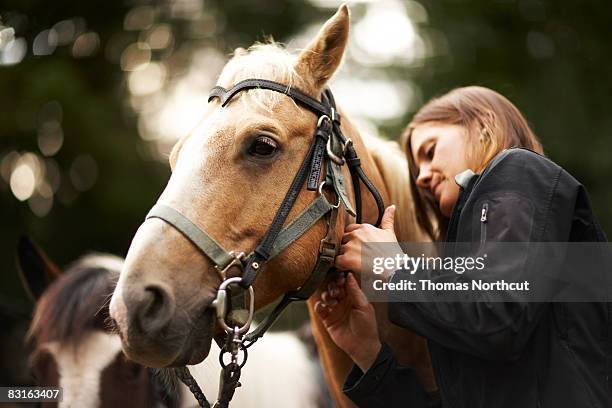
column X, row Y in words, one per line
column 342, row 262
column 349, row 262
column 329, row 298
column 352, row 227
column 322, row 310
column 355, row 293
column 347, row 236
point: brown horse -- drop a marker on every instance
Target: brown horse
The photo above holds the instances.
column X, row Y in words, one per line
column 73, row 347
column 229, row 177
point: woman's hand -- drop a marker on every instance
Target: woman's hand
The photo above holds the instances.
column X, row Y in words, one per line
column 355, row 235
column 350, row 320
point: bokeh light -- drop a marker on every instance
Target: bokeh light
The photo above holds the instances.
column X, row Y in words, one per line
column 45, row 42
column 86, row 45
column 148, row 80
column 136, row 56
column 14, row 51
column 26, row 173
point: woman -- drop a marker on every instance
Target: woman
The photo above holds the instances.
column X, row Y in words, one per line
column 485, row 354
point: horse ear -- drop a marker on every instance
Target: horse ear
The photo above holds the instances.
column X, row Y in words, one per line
column 323, row 56
column 35, row 268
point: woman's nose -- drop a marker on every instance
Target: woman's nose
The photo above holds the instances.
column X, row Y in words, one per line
column 424, row 178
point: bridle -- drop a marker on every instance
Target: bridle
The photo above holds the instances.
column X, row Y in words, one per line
column 328, row 152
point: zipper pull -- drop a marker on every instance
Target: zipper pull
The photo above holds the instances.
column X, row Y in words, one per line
column 483, row 213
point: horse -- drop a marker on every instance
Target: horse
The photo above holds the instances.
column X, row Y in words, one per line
column 73, row 346
column 77, row 349
column 229, row 177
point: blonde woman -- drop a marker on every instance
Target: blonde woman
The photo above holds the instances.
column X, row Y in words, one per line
column 468, row 147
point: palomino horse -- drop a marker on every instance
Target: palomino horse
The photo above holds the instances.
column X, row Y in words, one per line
column 76, row 350
column 229, row 178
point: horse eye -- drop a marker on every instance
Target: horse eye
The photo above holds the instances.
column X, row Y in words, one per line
column 263, row 146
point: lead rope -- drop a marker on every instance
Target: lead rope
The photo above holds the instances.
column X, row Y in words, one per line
column 230, row 373
column 186, row 378
column 230, row 376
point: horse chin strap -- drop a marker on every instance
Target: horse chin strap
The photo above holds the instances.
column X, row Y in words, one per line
column 234, row 303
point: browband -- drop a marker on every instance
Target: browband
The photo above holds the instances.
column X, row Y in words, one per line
column 225, row 95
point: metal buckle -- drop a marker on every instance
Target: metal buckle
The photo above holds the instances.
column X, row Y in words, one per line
column 335, row 158
column 321, row 119
column 237, row 261
column 233, row 346
column 220, row 304
column 337, row 205
column 327, row 248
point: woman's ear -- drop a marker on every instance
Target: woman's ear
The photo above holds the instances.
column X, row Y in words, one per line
column 322, row 57
column 35, row 268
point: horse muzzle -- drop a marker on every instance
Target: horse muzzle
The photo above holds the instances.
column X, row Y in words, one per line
column 157, row 333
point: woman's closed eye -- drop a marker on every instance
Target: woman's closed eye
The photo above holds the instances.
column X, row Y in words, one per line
column 429, row 153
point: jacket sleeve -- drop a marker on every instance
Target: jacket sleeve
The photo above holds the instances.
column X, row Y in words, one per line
column 534, row 201
column 387, row 384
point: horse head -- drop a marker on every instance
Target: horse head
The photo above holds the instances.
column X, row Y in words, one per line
column 74, row 348
column 229, row 177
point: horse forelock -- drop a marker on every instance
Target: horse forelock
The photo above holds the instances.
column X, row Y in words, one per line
column 77, row 302
column 268, row 61
column 263, row 61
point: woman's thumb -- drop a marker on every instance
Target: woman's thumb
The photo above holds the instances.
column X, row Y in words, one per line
column 388, row 218
column 355, row 293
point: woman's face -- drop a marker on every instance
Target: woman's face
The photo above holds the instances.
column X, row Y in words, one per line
column 439, row 152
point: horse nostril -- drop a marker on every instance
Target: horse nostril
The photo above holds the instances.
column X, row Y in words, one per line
column 157, row 308
column 155, row 298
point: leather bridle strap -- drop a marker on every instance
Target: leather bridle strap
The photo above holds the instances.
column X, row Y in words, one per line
column 354, row 164
column 325, row 263
column 262, row 253
column 222, row 258
column 199, row 238
column 225, row 95
column 324, row 109
column 327, row 135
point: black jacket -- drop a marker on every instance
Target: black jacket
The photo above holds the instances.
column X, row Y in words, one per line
column 552, row 355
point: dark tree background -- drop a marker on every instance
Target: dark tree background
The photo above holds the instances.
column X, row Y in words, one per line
column 551, row 58
column 90, row 93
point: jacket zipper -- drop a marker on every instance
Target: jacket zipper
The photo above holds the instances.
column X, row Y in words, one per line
column 484, row 217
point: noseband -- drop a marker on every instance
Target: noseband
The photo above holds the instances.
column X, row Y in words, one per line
column 328, row 152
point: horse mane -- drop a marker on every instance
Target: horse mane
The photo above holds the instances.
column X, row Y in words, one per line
column 393, row 167
column 77, row 301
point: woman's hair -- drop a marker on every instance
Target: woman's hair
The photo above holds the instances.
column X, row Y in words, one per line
column 492, row 124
